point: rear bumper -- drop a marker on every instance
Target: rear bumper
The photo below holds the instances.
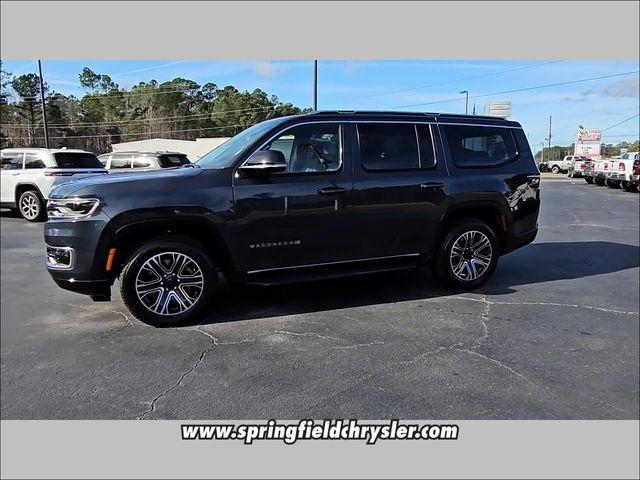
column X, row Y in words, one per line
column 517, row 241
column 616, row 176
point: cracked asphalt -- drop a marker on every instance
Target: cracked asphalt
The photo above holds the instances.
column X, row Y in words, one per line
column 553, row 335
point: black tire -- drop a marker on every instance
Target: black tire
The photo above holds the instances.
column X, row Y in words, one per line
column 612, row 183
column 555, row 169
column 161, row 248
column 443, row 262
column 31, row 206
column 631, row 187
column 599, row 182
column 588, row 180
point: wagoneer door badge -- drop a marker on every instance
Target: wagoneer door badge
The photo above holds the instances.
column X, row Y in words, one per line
column 284, row 243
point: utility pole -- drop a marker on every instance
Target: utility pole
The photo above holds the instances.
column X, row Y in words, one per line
column 542, row 154
column 466, row 101
column 315, row 85
column 549, row 138
column 44, row 110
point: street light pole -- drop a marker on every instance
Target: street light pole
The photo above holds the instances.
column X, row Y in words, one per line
column 315, row 85
column 44, row 110
column 466, row 101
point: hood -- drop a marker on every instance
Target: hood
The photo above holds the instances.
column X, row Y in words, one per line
column 128, row 180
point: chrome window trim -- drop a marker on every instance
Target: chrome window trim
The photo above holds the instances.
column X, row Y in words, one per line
column 250, row 272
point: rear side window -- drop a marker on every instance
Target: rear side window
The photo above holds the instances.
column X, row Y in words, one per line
column 167, row 161
column 121, row 161
column 33, row 160
column 76, row 160
column 473, row 146
column 395, row 146
column 11, row 161
column 141, row 162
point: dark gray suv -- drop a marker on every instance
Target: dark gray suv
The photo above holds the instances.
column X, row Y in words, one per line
column 300, row 198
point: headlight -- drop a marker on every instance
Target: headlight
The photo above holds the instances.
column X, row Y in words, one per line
column 72, row 207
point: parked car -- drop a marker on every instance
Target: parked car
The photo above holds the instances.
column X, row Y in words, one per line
column 561, row 166
column 621, row 170
column 600, row 168
column 142, row 160
column 543, row 167
column 301, row 198
column 578, row 164
column 27, row 175
column 634, row 179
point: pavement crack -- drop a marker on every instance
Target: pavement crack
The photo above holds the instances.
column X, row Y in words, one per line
column 128, row 322
column 359, row 345
column 214, row 342
column 493, row 360
column 306, row 334
column 548, row 304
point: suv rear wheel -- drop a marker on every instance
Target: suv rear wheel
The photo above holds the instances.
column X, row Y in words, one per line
column 31, row 206
column 468, row 254
column 555, row 169
column 168, row 281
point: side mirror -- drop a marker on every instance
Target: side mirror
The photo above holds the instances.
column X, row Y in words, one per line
column 264, row 162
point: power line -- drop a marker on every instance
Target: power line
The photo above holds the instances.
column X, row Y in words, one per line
column 129, row 93
column 118, row 122
column 620, row 123
column 129, row 134
column 520, row 89
column 389, row 92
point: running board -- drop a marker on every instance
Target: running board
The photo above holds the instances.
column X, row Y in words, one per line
column 316, row 273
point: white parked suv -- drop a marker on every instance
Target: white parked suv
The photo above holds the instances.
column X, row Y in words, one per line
column 27, row 175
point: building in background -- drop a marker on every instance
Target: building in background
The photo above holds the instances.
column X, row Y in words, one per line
column 193, row 149
column 588, row 143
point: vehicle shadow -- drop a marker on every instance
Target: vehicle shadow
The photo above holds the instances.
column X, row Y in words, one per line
column 536, row 263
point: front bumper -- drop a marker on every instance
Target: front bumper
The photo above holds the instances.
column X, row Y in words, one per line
column 84, row 274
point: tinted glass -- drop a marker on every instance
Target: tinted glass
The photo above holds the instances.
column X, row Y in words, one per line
column 226, row 154
column 389, row 146
column 167, row 161
column 121, row 161
column 312, row 148
column 11, row 161
column 33, row 160
column 76, row 160
column 472, row 146
column 141, row 162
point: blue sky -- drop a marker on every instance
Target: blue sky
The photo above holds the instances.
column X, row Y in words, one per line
column 399, row 84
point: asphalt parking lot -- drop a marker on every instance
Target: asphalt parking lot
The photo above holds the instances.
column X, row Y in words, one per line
column 553, row 335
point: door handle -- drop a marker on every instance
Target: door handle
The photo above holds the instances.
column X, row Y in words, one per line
column 432, row 185
column 330, row 190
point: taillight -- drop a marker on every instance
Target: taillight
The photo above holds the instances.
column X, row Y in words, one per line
column 582, row 166
column 621, row 166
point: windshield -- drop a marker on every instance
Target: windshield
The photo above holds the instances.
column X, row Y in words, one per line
column 226, row 154
column 77, row 160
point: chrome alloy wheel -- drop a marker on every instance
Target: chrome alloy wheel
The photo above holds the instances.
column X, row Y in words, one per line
column 470, row 255
column 30, row 206
column 169, row 283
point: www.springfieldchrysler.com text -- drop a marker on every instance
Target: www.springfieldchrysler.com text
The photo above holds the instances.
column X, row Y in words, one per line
column 290, row 433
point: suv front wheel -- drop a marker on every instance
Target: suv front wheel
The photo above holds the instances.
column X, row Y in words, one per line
column 168, row 282
column 468, row 255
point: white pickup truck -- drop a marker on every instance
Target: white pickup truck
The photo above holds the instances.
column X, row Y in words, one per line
column 578, row 166
column 557, row 166
column 621, row 172
column 27, row 175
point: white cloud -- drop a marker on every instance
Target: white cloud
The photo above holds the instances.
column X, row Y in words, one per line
column 267, row 69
